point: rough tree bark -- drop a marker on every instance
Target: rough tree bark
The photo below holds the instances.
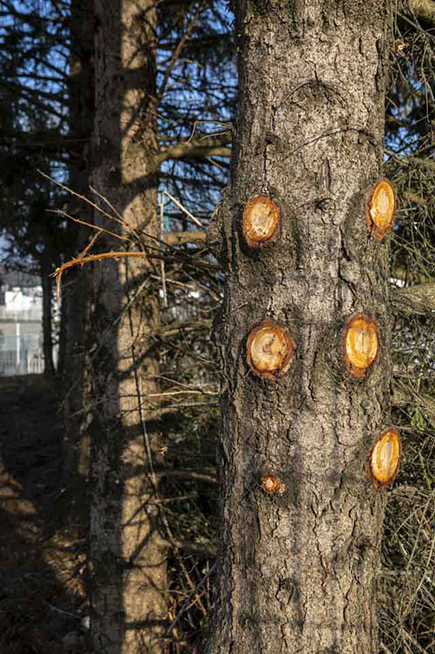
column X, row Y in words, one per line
column 47, row 318
column 301, row 515
column 127, row 559
column 75, row 295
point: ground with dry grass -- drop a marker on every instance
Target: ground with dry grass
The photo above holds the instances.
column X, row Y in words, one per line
column 42, row 600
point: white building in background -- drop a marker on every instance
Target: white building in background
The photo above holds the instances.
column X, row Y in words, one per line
column 20, row 324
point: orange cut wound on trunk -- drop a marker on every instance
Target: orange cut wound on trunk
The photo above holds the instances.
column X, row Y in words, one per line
column 269, row 350
column 272, row 484
column 381, row 208
column 261, row 221
column 361, row 345
column 383, row 460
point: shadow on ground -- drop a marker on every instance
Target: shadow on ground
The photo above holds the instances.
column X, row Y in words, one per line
column 42, row 599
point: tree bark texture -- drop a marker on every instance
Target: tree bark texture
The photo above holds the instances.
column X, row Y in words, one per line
column 75, row 296
column 47, row 318
column 300, row 541
column 128, row 562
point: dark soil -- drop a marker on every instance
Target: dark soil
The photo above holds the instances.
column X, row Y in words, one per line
column 42, row 559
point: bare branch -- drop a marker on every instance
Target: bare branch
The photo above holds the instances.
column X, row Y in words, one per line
column 99, row 229
column 183, row 209
column 419, row 299
column 179, row 238
column 172, row 330
column 198, row 149
column 406, row 275
column 192, row 547
column 85, row 199
column 190, row 475
column 414, row 198
column 175, row 408
column 179, row 48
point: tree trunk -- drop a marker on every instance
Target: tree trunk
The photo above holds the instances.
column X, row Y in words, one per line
column 62, row 342
column 128, row 562
column 47, row 322
column 75, row 294
column 305, row 310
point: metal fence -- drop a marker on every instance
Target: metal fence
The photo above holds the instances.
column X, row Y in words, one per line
column 21, row 315
column 21, row 355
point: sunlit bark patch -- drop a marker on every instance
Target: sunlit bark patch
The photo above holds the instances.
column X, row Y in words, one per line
column 361, row 345
column 269, row 350
column 383, row 460
column 381, row 208
column 271, row 484
column 261, row 221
